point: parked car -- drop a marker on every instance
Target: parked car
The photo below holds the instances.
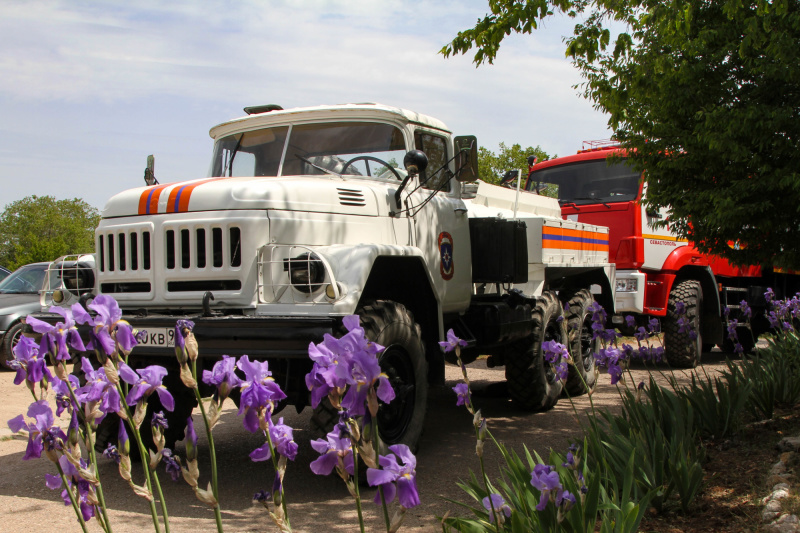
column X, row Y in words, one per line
column 4, row 272
column 19, row 297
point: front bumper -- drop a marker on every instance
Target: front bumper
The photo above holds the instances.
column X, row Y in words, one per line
column 261, row 337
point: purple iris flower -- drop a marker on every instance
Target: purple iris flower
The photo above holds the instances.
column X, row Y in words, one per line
column 615, row 371
column 112, row 452
column 499, row 504
column 463, row 393
column 62, row 390
column 745, row 309
column 99, row 389
column 641, row 334
column 159, row 421
column 56, row 338
column 654, row 326
column 258, row 390
column 171, row 464
column 364, row 374
column 333, row 359
column 630, row 321
column 191, row 440
column 322, row 377
column 545, row 478
column 29, row 363
column 566, row 499
column 554, row 351
column 452, row 341
column 769, row 295
column 282, row 440
column 223, row 376
column 396, row 479
column 54, row 482
column 123, row 441
column 145, row 382
column 334, row 451
column 42, row 436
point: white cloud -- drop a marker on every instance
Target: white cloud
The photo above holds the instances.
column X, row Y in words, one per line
column 120, row 80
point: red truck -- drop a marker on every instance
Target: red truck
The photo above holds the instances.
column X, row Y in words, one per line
column 656, row 269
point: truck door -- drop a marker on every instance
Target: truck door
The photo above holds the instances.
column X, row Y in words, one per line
column 659, row 242
column 441, row 226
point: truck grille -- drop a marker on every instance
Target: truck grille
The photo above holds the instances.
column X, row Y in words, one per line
column 121, row 251
column 131, row 250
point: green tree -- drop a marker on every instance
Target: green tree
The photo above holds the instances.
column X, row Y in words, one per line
column 492, row 167
column 705, row 97
column 41, row 228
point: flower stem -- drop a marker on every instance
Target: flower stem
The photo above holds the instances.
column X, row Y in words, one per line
column 75, row 504
column 376, row 447
column 272, row 453
column 211, row 448
column 354, row 447
column 145, row 465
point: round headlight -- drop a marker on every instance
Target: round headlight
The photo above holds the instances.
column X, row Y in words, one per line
column 58, row 296
column 306, row 272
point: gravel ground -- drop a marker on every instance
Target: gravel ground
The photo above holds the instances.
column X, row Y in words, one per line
column 316, row 503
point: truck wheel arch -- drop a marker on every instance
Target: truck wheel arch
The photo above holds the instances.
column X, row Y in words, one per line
column 405, row 280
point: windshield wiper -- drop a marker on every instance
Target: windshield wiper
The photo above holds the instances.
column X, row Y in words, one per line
column 567, row 203
column 595, row 200
column 229, row 163
column 323, row 169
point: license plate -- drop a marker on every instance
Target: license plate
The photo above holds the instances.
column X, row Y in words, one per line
column 163, row 337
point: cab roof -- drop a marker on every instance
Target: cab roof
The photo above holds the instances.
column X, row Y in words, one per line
column 326, row 112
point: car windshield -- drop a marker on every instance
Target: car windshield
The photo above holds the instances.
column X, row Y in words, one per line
column 25, row 280
column 346, row 148
column 587, row 182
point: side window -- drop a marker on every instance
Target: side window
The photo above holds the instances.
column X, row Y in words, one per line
column 437, row 175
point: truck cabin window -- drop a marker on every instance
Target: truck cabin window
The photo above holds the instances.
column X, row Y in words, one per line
column 588, row 182
column 437, row 175
column 365, row 149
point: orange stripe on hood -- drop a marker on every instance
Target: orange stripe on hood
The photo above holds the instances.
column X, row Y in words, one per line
column 148, row 201
column 179, row 196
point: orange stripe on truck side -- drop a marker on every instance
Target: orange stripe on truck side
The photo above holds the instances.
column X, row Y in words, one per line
column 572, row 239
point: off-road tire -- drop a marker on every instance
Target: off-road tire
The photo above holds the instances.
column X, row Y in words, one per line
column 10, row 340
column 680, row 349
column 532, row 384
column 401, row 421
column 583, row 372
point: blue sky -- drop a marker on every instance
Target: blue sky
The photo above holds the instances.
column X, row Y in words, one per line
column 89, row 88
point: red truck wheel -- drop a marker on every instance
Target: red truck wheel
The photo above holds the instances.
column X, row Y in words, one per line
column 683, row 343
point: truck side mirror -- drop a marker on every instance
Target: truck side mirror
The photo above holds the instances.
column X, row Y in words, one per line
column 149, row 171
column 466, row 147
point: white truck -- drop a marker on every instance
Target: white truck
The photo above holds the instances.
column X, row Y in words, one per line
column 306, row 217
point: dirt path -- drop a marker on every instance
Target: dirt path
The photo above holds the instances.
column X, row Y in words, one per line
column 447, row 452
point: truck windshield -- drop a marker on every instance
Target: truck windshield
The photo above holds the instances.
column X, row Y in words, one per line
column 350, row 148
column 587, row 182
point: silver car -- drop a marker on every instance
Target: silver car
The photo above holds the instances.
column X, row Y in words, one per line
column 19, row 297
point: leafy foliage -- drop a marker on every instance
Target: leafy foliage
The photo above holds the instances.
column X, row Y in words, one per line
column 492, row 167
column 704, row 96
column 41, row 228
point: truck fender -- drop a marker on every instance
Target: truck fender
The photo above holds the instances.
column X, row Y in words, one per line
column 397, row 273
